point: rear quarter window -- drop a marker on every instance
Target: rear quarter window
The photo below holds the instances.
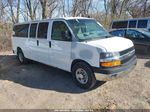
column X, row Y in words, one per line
column 21, row 30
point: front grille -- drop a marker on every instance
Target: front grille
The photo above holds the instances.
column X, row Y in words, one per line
column 126, row 55
column 125, row 60
column 126, row 51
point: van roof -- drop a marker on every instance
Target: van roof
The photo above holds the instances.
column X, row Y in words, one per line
column 62, row 18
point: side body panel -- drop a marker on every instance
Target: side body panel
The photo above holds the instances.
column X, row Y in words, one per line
column 87, row 53
column 42, row 48
column 20, row 42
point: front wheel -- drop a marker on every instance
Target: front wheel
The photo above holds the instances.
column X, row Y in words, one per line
column 83, row 75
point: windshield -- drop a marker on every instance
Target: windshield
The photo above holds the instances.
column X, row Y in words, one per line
column 87, row 29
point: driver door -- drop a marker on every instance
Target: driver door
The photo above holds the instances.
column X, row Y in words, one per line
column 138, row 39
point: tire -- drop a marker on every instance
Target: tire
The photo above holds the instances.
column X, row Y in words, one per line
column 21, row 57
column 83, row 75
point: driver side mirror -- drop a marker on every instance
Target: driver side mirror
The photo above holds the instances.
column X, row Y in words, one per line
column 66, row 35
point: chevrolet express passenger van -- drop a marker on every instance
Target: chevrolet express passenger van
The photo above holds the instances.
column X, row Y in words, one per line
column 77, row 45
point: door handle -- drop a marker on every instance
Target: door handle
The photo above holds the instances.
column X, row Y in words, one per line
column 37, row 42
column 50, row 44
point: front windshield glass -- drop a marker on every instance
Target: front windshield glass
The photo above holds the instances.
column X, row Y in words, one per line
column 87, row 29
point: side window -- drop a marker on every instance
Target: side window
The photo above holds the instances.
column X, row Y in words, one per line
column 115, row 25
column 33, row 28
column 42, row 30
column 133, row 34
column 21, row 30
column 118, row 33
column 132, row 24
column 58, row 29
column 120, row 24
column 142, row 24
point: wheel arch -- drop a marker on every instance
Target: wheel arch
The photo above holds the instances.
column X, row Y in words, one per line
column 77, row 61
column 18, row 48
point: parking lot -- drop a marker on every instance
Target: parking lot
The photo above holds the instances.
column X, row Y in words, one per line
column 40, row 86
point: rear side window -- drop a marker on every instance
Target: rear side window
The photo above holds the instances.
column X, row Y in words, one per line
column 33, row 30
column 42, row 30
column 142, row 24
column 132, row 24
column 119, row 24
column 21, row 30
column 120, row 33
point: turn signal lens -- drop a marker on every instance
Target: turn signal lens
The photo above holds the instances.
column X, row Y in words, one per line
column 111, row 64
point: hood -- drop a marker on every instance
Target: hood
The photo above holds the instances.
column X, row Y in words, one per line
column 113, row 44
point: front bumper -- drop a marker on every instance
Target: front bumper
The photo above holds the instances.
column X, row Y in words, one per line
column 115, row 72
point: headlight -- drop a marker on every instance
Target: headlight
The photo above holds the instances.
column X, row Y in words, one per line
column 106, row 55
column 109, row 59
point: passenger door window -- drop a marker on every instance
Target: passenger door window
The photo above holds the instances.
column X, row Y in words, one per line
column 58, row 29
column 118, row 33
column 134, row 34
column 33, row 28
column 42, row 30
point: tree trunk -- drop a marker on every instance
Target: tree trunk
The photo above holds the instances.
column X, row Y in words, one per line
column 44, row 8
column 18, row 11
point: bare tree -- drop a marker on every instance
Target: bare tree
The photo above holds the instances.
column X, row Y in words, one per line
column 106, row 7
column 10, row 3
column 18, row 11
column 31, row 7
column 44, row 8
column 14, row 16
column 139, row 8
column 1, row 10
column 13, row 6
column 48, row 7
column 81, row 7
column 52, row 6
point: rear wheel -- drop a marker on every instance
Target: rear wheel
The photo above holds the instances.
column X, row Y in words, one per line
column 83, row 75
column 21, row 57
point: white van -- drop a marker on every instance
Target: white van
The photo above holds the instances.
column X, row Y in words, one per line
column 77, row 45
column 140, row 23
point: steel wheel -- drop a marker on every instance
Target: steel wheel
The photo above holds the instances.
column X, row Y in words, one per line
column 81, row 76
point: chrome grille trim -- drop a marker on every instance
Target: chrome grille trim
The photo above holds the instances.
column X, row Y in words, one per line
column 126, row 55
column 129, row 54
